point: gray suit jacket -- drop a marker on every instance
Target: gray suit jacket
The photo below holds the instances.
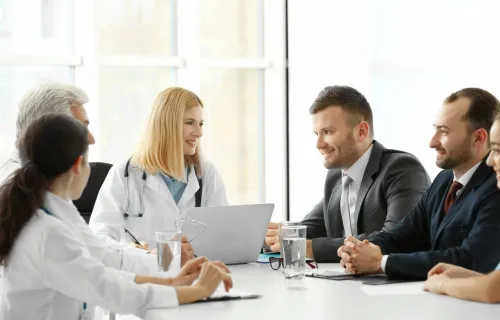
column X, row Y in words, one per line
column 392, row 185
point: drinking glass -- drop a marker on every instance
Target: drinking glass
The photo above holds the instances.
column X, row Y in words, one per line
column 168, row 246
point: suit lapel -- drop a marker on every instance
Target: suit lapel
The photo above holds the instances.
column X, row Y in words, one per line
column 372, row 168
column 482, row 173
column 436, row 218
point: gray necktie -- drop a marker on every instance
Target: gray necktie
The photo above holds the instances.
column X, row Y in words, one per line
column 344, row 205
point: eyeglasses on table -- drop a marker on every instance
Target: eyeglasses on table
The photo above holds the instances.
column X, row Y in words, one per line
column 277, row 263
column 178, row 223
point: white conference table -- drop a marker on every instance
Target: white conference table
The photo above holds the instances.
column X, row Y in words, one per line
column 323, row 299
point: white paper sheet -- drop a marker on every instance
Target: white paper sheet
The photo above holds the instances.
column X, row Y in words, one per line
column 409, row 288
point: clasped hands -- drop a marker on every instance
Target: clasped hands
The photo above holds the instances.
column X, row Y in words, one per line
column 363, row 257
column 360, row 257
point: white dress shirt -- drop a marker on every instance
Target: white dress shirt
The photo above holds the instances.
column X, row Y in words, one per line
column 51, row 273
column 463, row 180
column 356, row 173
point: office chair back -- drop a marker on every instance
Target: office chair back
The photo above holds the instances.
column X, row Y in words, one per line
column 98, row 172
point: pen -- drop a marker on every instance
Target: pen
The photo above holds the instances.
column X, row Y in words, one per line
column 133, row 238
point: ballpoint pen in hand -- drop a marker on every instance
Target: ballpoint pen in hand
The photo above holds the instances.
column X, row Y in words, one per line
column 133, row 238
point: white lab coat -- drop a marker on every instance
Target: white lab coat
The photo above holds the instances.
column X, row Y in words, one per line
column 6, row 170
column 111, row 255
column 51, row 273
column 10, row 166
column 160, row 209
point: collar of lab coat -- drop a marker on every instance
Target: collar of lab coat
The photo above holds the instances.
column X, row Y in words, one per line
column 61, row 209
column 190, row 190
column 157, row 182
column 14, row 155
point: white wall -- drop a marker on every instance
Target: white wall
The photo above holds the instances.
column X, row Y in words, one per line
column 404, row 56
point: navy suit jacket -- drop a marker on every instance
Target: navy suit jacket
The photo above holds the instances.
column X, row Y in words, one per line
column 468, row 235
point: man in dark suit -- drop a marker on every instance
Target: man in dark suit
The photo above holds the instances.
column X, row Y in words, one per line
column 457, row 220
column 368, row 188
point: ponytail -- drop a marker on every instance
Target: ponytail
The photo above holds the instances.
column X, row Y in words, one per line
column 48, row 149
column 20, row 197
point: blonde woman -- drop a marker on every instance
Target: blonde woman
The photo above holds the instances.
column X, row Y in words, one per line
column 50, row 272
column 163, row 178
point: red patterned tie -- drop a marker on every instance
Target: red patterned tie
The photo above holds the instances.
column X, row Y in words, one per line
column 452, row 195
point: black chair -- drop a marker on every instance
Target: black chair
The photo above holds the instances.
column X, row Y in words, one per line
column 85, row 205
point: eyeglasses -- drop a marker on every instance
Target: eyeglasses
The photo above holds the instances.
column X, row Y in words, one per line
column 179, row 222
column 276, row 263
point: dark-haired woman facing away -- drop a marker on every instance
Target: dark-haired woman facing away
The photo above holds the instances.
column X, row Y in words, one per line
column 49, row 273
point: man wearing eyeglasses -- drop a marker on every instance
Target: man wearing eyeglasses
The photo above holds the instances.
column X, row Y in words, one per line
column 368, row 188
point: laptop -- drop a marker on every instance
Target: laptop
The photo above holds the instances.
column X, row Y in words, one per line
column 232, row 234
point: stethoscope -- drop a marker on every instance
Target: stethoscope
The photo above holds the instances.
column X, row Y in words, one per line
column 144, row 176
column 127, row 193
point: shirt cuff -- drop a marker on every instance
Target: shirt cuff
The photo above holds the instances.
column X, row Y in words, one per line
column 158, row 297
column 383, row 262
column 163, row 297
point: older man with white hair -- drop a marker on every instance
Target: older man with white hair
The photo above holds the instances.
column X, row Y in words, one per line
column 42, row 99
column 69, row 99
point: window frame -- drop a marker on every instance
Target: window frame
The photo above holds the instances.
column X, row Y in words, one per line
column 188, row 63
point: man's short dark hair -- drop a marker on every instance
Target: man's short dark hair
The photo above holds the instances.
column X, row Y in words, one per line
column 483, row 109
column 349, row 99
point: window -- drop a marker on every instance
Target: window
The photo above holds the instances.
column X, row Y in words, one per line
column 234, row 120
column 14, row 81
column 34, row 47
column 125, row 94
column 124, row 52
column 406, row 57
column 131, row 27
column 37, row 29
column 231, row 29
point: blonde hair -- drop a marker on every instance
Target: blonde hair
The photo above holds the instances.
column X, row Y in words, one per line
column 161, row 147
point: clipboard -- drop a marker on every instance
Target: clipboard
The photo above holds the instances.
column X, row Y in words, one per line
column 367, row 279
